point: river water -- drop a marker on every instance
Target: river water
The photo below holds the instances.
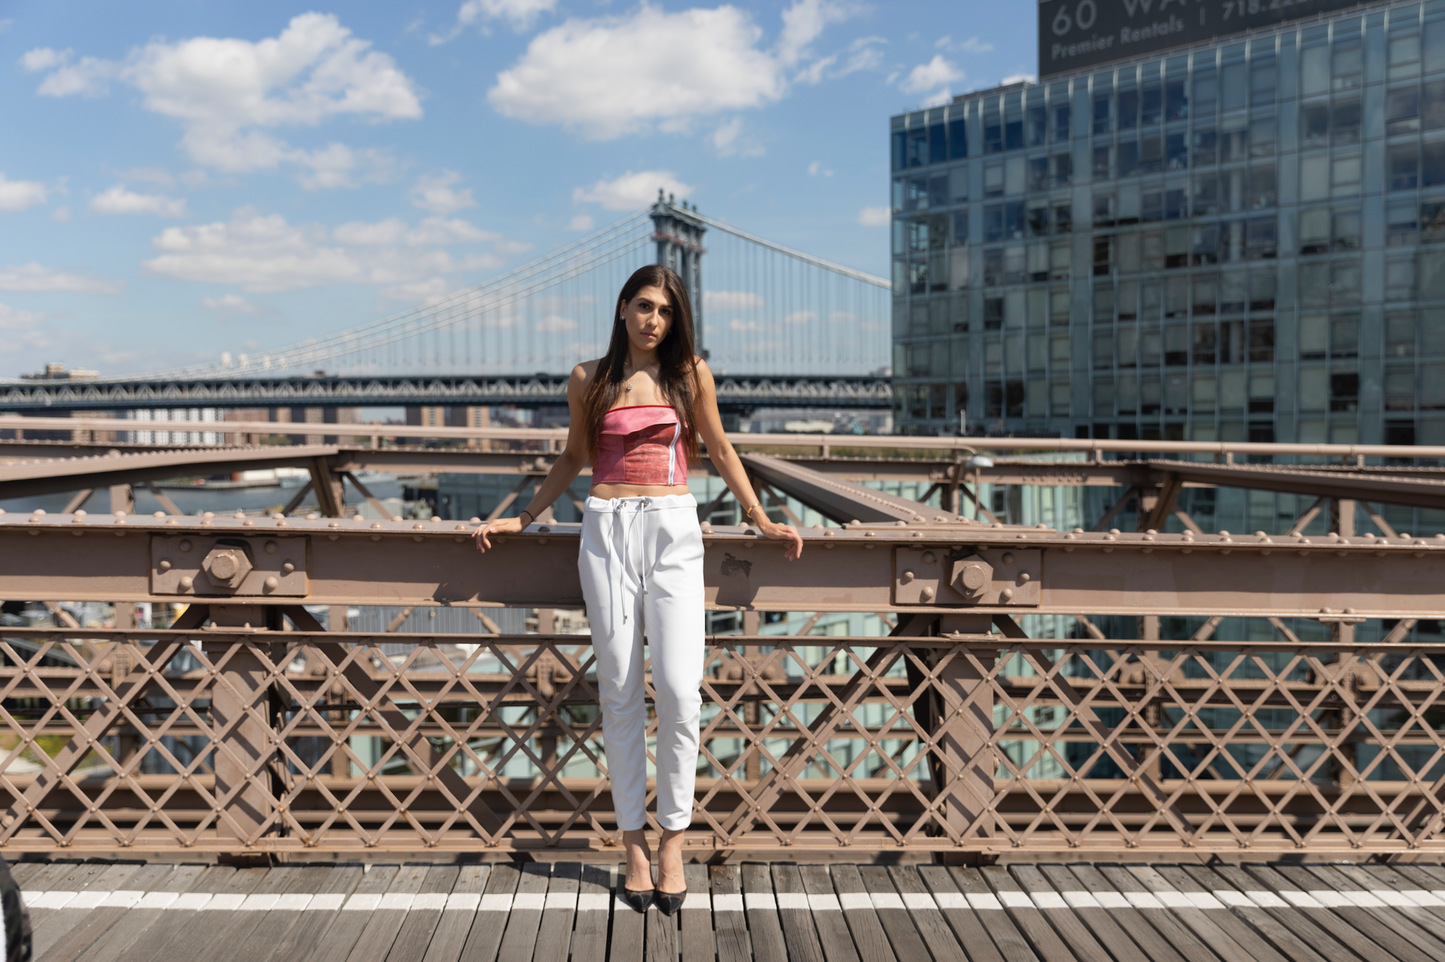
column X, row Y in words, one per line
column 198, row 500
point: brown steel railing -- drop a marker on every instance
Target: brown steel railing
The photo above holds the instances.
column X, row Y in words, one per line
column 1001, row 714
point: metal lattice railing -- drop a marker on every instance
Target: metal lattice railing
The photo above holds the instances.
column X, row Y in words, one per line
column 227, row 738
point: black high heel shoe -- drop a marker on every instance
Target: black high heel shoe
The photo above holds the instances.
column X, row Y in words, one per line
column 668, row 903
column 639, row 899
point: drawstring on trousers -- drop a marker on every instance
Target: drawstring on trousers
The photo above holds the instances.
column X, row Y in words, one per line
column 641, row 505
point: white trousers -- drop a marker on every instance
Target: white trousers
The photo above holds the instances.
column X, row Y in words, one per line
column 641, row 568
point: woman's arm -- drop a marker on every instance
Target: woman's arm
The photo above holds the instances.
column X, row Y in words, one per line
column 730, row 467
column 564, row 470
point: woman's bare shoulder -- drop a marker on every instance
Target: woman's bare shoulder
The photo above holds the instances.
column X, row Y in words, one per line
column 586, row 370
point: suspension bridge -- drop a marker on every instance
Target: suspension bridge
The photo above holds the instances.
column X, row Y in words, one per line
column 780, row 328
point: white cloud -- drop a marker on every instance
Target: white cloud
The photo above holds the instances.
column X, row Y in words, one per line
column 428, row 291
column 1017, row 78
column 149, row 175
column 20, row 194
column 971, row 45
column 581, row 222
column 6, row 24
column 33, row 278
column 864, row 53
column 731, row 300
column 88, row 77
column 800, row 317
column 925, row 77
column 434, row 192
column 728, row 141
column 554, row 323
column 25, row 330
column 118, row 200
column 260, row 252
column 617, row 75
column 632, row 191
column 804, row 22
column 229, row 304
column 740, row 326
column 521, row 14
column 875, row 216
column 228, row 93
column 431, row 232
column 61, row 214
column 816, row 169
column 43, row 58
column 337, row 165
column 14, row 319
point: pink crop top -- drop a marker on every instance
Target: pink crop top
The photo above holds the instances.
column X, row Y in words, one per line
column 640, row 444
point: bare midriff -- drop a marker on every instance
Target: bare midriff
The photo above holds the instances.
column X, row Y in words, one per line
column 609, row 491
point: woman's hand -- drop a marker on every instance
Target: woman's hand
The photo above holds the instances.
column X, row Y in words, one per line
column 784, row 532
column 499, row 526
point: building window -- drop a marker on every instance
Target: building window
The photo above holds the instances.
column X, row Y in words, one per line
column 993, row 179
column 1261, row 339
column 1061, row 113
column 1345, row 230
column 1400, row 334
column 1345, row 66
column 937, row 144
column 1403, row 168
column 917, row 147
column 1261, row 289
column 1206, row 147
column 992, row 313
column 1206, row 338
column 1399, row 389
column 1432, row 164
column 992, row 128
column 1128, row 394
column 1400, row 279
column 1314, row 125
column 1432, row 104
column 1105, row 208
column 1345, row 335
column 1103, row 107
column 1263, row 79
column 1400, row 432
column 957, row 139
column 1059, row 397
column 1344, row 391
column 1345, row 122
column 1402, row 111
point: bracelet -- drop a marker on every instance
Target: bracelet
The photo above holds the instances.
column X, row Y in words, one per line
column 749, row 512
column 525, row 511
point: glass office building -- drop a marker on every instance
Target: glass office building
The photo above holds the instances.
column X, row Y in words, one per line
column 1242, row 239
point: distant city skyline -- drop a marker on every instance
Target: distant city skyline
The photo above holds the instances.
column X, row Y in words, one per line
column 177, row 180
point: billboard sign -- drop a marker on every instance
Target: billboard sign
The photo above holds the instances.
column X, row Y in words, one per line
column 1080, row 33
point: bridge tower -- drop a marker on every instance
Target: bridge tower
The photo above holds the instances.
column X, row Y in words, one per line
column 678, row 232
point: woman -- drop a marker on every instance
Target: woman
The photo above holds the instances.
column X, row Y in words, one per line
column 636, row 414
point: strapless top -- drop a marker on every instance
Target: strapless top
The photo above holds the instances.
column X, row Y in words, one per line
column 640, row 444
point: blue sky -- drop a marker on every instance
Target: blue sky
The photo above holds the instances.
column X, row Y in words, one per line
column 179, row 178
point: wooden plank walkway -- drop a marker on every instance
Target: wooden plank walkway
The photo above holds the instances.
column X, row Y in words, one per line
column 783, row 912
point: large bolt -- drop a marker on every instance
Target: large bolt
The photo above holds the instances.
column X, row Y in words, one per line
column 971, row 577
column 226, row 566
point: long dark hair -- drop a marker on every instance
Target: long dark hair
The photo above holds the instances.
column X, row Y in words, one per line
column 675, row 356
